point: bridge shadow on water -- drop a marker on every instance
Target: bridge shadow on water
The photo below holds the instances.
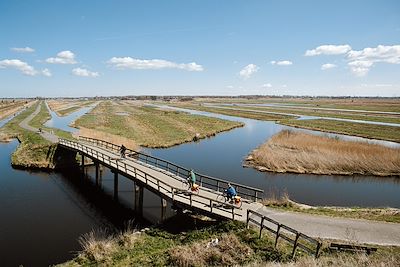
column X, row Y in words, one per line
column 113, row 214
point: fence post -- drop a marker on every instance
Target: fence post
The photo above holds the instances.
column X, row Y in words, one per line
column 317, row 250
column 277, row 235
column 261, row 226
column 295, row 244
column 211, row 206
column 190, row 199
column 218, row 186
column 233, row 212
column 255, row 196
column 248, row 219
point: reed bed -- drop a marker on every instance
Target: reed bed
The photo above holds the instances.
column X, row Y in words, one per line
column 297, row 152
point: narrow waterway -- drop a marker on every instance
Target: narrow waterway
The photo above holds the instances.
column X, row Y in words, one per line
column 222, row 156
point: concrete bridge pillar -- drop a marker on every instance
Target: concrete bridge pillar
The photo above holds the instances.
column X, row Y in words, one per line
column 115, row 185
column 97, row 172
column 83, row 162
column 138, row 198
column 163, row 209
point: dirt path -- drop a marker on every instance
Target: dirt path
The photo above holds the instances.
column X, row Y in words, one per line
column 46, row 135
column 353, row 230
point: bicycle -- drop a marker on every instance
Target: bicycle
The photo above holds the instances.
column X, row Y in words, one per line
column 235, row 200
column 193, row 189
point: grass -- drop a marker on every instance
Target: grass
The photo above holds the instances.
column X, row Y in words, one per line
column 382, row 132
column 192, row 246
column 151, row 127
column 375, row 214
column 66, row 107
column 160, row 247
column 238, row 113
column 297, row 152
column 7, row 108
column 327, row 113
column 34, row 152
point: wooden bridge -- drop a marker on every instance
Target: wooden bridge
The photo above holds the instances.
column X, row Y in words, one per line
column 165, row 179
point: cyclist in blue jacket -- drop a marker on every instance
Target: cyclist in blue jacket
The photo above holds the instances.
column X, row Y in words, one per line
column 230, row 192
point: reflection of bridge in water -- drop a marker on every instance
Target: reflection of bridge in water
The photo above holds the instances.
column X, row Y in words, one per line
column 165, row 179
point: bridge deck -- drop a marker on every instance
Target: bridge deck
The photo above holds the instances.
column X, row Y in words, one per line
column 164, row 183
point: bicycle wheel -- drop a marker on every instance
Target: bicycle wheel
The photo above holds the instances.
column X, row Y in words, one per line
column 221, row 198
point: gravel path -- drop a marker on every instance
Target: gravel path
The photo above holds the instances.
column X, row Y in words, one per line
column 354, row 230
column 46, row 135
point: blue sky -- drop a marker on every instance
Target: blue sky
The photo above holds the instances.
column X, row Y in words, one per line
column 89, row 48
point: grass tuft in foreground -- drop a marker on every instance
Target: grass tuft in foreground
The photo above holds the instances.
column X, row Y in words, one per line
column 298, row 152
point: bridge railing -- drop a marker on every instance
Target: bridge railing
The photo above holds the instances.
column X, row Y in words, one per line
column 297, row 239
column 174, row 193
column 206, row 181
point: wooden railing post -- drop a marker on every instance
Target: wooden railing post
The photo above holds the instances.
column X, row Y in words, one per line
column 248, row 219
column 261, row 226
column 277, row 235
column 317, row 249
column 295, row 244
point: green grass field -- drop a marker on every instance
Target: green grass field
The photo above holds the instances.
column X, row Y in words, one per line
column 151, row 127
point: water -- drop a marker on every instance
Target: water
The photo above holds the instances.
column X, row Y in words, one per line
column 64, row 122
column 222, row 156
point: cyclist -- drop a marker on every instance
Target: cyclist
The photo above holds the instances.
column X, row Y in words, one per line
column 122, row 151
column 230, row 192
column 192, row 178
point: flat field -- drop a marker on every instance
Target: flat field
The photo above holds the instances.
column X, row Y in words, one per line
column 150, row 126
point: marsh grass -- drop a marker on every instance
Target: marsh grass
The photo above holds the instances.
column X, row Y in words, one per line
column 297, row 152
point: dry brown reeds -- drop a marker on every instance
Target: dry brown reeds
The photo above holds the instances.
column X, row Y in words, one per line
column 115, row 139
column 299, row 152
column 228, row 252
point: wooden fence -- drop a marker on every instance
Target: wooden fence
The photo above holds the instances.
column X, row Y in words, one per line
column 297, row 239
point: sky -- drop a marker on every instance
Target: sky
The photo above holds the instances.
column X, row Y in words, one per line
column 60, row 48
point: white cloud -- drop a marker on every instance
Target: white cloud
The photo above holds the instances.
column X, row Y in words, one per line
column 22, row 66
column 63, row 57
column 282, row 62
column 381, row 53
column 46, row 72
column 154, row 64
column 360, row 67
column 266, row 85
column 328, row 66
column 230, row 87
column 248, row 71
column 329, row 50
column 360, row 62
column 84, row 73
column 23, row 49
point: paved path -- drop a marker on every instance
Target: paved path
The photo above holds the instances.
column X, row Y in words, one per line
column 355, row 230
column 46, row 135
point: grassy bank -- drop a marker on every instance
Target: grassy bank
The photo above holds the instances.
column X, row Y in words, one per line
column 238, row 113
column 297, row 152
column 8, row 108
column 374, row 214
column 381, row 132
column 151, row 127
column 34, row 152
column 192, row 246
column 66, row 107
column 326, row 113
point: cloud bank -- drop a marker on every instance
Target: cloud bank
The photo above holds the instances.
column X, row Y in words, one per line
column 151, row 64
